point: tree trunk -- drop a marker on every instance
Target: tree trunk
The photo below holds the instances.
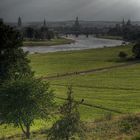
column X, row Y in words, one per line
column 67, row 137
column 28, row 131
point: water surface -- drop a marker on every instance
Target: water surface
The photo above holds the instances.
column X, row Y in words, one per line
column 81, row 43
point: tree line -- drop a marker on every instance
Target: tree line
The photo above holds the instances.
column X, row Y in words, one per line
column 36, row 33
column 127, row 30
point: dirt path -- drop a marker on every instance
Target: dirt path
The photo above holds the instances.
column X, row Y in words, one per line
column 89, row 71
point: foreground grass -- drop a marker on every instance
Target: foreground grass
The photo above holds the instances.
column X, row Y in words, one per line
column 117, row 128
column 124, row 127
column 51, row 42
column 9, row 131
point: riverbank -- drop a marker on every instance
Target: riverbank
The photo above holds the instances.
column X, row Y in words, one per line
column 52, row 42
column 110, row 37
column 81, row 43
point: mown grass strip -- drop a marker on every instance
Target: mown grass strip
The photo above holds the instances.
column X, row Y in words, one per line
column 95, row 106
column 89, row 71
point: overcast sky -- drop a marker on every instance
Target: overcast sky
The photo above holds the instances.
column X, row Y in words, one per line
column 58, row 10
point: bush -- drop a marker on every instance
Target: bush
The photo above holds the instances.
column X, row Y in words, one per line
column 122, row 55
column 137, row 137
column 69, row 124
column 129, row 124
column 13, row 60
column 136, row 50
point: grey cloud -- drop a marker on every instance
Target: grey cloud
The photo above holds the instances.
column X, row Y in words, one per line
column 35, row 10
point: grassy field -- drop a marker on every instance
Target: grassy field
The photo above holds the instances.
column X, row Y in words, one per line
column 115, row 89
column 51, row 42
column 62, row 62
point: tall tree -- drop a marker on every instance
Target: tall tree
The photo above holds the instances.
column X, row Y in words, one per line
column 69, row 124
column 13, row 60
column 24, row 100
column 136, row 50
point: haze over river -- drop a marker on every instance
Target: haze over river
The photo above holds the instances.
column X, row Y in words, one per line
column 81, row 43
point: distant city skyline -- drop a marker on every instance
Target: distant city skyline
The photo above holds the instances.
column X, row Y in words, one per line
column 63, row 10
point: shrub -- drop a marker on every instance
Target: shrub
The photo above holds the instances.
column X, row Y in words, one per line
column 69, row 124
column 136, row 50
column 122, row 55
column 129, row 124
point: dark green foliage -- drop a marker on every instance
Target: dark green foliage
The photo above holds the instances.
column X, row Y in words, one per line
column 127, row 30
column 13, row 60
column 24, row 100
column 136, row 50
column 129, row 124
column 42, row 33
column 122, row 55
column 69, row 124
column 137, row 137
column 29, row 32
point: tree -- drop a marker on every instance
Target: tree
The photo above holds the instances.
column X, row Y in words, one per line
column 69, row 123
column 136, row 50
column 24, row 100
column 122, row 55
column 13, row 60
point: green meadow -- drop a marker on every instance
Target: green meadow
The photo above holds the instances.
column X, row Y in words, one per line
column 116, row 89
column 62, row 62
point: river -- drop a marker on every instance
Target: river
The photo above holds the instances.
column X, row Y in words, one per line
column 81, row 43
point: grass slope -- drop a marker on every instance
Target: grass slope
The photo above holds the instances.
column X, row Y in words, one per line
column 116, row 89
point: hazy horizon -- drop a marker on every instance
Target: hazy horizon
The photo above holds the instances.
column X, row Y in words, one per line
column 64, row 10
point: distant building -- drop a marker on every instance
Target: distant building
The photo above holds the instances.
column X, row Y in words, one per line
column 1, row 19
column 76, row 29
column 44, row 30
column 44, row 23
column 76, row 25
column 123, row 22
column 19, row 22
column 128, row 23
